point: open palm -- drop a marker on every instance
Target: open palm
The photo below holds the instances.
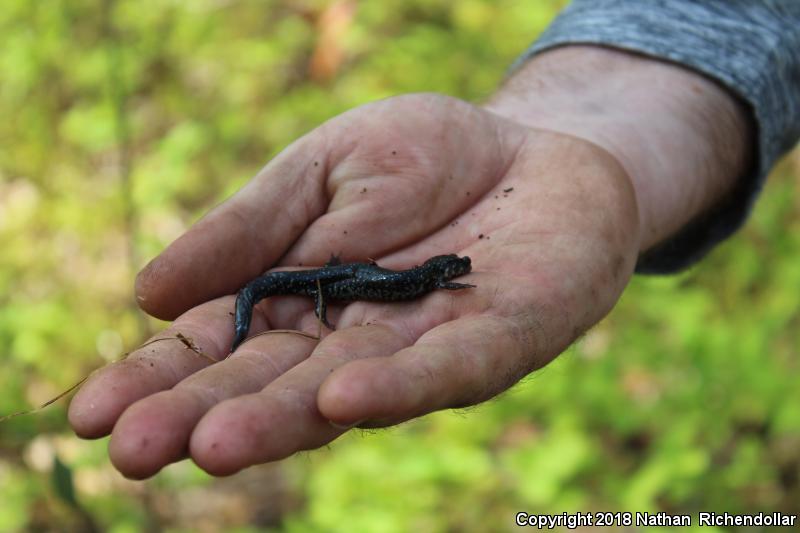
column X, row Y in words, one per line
column 548, row 220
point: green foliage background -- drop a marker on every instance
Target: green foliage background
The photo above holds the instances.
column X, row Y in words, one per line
column 123, row 121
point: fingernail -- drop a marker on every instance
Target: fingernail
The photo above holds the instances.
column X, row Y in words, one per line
column 345, row 427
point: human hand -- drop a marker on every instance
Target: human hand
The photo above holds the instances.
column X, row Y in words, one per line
column 550, row 221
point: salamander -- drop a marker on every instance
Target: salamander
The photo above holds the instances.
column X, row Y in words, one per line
column 348, row 283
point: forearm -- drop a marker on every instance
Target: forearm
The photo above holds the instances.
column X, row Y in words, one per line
column 683, row 140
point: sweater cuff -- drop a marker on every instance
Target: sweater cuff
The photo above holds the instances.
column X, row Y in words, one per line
column 748, row 47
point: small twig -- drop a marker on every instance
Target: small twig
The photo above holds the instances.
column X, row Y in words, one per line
column 45, row 404
column 189, row 343
column 292, row 331
column 186, row 341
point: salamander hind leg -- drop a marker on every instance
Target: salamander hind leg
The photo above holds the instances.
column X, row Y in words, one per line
column 321, row 309
column 453, row 286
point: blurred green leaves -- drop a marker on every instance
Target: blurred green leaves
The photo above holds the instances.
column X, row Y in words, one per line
column 684, row 398
column 62, row 483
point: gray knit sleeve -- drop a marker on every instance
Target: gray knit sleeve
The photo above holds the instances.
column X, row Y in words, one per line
column 750, row 46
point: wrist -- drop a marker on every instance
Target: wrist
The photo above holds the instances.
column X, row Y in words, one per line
column 682, row 139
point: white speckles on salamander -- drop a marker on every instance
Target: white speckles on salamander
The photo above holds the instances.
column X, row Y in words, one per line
column 349, row 282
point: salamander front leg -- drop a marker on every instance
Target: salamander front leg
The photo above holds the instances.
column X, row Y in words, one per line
column 333, row 261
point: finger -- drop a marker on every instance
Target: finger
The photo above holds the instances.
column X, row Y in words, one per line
column 157, row 365
column 283, row 418
column 459, row 363
column 240, row 238
column 155, row 431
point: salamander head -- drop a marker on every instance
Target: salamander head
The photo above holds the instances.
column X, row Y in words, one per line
column 445, row 267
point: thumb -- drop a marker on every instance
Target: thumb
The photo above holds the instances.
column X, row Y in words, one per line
column 241, row 237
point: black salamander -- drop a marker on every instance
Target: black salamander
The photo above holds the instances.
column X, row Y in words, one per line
column 348, row 283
